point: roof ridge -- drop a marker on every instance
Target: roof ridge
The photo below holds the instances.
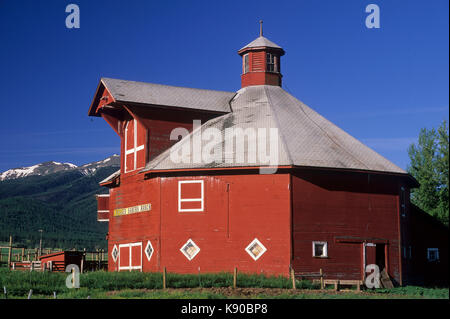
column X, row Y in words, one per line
column 159, row 84
column 325, row 132
column 275, row 117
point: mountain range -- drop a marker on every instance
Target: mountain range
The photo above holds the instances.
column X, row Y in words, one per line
column 58, row 198
column 54, row 167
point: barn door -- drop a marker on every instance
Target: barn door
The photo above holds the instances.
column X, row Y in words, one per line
column 371, row 254
column 130, row 256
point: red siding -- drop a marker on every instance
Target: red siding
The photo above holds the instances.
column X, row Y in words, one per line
column 257, row 74
column 228, row 224
column 344, row 210
column 426, row 232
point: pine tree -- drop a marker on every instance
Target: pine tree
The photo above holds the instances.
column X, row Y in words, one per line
column 429, row 165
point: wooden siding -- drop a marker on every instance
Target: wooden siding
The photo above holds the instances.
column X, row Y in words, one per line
column 228, row 224
column 345, row 210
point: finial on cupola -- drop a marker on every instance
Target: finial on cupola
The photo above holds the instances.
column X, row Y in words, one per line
column 261, row 63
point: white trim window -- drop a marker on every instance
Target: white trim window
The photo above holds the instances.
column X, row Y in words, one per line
column 433, row 254
column 128, row 263
column 271, row 65
column 190, row 249
column 135, row 149
column 255, row 249
column 195, row 204
column 246, row 63
column 320, row 249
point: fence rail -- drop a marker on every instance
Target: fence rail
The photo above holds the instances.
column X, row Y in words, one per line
column 21, row 257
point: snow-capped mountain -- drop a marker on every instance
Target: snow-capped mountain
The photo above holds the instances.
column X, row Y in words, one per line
column 54, row 167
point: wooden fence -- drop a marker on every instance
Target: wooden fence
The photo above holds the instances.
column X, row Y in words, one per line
column 25, row 258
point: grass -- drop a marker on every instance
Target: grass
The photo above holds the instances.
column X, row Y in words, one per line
column 102, row 284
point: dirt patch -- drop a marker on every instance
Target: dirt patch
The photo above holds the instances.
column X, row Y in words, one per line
column 245, row 292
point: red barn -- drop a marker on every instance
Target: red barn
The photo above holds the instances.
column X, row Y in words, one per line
column 320, row 199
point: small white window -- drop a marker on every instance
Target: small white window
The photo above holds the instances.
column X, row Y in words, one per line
column 191, row 196
column 270, row 63
column 245, row 64
column 433, row 254
column 320, row 249
column 190, row 249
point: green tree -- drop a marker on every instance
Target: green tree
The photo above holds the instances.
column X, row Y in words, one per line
column 429, row 165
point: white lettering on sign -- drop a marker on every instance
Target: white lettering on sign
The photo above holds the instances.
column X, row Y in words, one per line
column 132, row 210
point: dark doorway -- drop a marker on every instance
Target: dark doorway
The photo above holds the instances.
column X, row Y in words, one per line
column 380, row 256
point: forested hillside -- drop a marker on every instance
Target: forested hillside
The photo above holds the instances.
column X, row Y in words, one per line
column 62, row 204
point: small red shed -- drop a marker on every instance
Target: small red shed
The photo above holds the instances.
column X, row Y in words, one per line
column 60, row 260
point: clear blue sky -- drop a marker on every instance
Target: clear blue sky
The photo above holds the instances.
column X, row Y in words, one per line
column 380, row 85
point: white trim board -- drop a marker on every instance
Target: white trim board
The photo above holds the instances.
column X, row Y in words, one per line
column 130, row 267
column 201, row 199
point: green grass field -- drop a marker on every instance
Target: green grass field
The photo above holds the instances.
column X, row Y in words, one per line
column 205, row 286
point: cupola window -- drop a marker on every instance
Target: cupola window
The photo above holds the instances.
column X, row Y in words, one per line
column 271, row 63
column 245, row 65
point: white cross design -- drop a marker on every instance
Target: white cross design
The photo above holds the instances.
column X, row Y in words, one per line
column 135, row 148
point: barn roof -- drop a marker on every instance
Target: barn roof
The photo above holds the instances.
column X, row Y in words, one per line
column 111, row 177
column 305, row 137
column 165, row 95
column 261, row 42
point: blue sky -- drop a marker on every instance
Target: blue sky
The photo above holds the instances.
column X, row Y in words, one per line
column 380, row 85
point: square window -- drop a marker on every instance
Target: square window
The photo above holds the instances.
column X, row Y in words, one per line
column 433, row 254
column 190, row 249
column 255, row 249
column 320, row 249
column 191, row 196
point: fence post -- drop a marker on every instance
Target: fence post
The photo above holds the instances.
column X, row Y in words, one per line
column 293, row 278
column 23, row 253
column 321, row 278
column 235, row 278
column 164, row 278
column 9, row 252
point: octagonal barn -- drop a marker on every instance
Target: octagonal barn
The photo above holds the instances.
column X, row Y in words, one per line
column 321, row 200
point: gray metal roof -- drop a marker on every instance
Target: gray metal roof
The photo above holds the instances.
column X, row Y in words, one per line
column 305, row 137
column 261, row 42
column 111, row 177
column 165, row 95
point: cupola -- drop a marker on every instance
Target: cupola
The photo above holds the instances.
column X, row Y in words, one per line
column 261, row 62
